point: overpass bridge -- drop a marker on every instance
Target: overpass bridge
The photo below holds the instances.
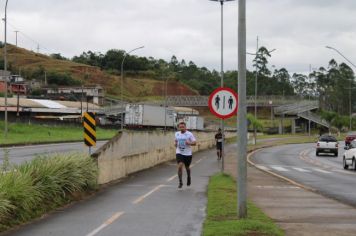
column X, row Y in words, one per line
column 202, row 101
column 299, row 111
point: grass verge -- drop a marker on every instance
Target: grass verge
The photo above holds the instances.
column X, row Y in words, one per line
column 20, row 133
column 34, row 188
column 222, row 212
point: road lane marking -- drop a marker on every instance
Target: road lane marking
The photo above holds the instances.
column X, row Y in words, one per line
column 262, row 167
column 322, row 171
column 279, row 168
column 106, row 223
column 301, row 169
column 277, row 187
column 141, row 198
column 172, row 178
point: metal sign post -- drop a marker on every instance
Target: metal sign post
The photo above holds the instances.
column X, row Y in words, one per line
column 223, row 104
column 241, row 119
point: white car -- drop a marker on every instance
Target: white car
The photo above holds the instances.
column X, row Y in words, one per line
column 327, row 144
column 349, row 158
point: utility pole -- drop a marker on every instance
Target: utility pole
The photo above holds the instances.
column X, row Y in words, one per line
column 38, row 48
column 256, row 77
column 5, row 69
column 16, row 31
column 241, row 118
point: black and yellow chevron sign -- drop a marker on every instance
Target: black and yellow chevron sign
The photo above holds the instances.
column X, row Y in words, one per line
column 89, row 129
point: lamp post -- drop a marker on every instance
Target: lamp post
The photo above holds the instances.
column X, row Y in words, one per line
column 222, row 73
column 5, row 69
column 350, row 106
column 122, row 81
column 256, row 79
column 241, row 117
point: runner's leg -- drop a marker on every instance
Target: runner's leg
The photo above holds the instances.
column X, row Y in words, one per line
column 187, row 168
column 180, row 173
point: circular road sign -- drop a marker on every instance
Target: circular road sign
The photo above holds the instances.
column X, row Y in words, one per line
column 223, row 103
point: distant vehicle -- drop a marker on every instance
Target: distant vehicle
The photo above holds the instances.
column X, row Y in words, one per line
column 349, row 158
column 327, row 144
column 349, row 137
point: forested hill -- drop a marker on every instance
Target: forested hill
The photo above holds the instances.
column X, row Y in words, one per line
column 145, row 78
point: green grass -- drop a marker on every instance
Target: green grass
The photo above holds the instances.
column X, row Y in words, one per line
column 222, row 212
column 19, row 133
column 34, row 188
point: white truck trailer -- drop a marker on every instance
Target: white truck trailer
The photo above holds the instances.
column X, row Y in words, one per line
column 141, row 115
column 194, row 122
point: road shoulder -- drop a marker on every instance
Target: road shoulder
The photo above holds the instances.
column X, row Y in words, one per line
column 295, row 209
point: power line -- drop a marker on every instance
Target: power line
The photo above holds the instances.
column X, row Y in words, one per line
column 37, row 43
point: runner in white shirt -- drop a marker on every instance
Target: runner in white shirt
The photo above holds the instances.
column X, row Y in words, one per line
column 183, row 142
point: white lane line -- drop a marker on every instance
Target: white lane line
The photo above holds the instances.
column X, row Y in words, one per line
column 277, row 187
column 322, row 171
column 301, row 169
column 106, row 223
column 140, row 199
column 279, row 168
column 172, row 178
column 263, row 167
column 198, row 160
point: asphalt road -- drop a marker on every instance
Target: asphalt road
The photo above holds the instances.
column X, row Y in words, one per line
column 146, row 203
column 26, row 153
column 323, row 174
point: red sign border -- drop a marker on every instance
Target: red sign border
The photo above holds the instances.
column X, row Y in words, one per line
column 234, row 112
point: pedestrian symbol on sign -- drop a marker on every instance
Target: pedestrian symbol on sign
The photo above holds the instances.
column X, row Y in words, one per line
column 223, row 103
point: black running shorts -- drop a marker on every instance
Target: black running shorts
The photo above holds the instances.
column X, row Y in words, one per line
column 185, row 159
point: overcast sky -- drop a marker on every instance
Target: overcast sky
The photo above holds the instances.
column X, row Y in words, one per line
column 189, row 29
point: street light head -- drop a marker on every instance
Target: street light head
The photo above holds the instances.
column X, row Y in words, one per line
column 328, row 47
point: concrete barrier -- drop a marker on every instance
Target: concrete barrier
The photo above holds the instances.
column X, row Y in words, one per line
column 132, row 151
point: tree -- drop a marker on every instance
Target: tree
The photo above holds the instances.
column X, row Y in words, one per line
column 261, row 61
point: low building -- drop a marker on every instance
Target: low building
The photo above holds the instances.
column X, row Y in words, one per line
column 94, row 94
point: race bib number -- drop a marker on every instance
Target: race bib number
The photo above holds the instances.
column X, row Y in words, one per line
column 181, row 144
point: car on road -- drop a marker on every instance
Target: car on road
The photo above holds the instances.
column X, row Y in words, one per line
column 349, row 158
column 349, row 137
column 327, row 144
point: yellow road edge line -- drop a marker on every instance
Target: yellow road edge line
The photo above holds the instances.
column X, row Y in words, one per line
column 108, row 222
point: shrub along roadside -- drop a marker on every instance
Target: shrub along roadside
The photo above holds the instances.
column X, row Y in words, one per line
column 222, row 212
column 31, row 189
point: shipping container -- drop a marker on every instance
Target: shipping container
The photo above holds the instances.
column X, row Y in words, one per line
column 137, row 115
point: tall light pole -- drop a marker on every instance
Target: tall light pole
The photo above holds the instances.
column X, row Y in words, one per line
column 122, row 81
column 350, row 106
column 256, row 80
column 5, row 69
column 256, row 77
column 241, row 118
column 222, row 74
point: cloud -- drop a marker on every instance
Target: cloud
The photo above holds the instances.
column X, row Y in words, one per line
column 189, row 29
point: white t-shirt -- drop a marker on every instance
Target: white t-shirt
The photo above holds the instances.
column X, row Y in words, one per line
column 182, row 147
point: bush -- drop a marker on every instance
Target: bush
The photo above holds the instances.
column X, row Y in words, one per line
column 31, row 189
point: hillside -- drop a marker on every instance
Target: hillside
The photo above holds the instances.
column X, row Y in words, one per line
column 33, row 65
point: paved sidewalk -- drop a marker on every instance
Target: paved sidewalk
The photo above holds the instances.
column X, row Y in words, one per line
column 294, row 209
